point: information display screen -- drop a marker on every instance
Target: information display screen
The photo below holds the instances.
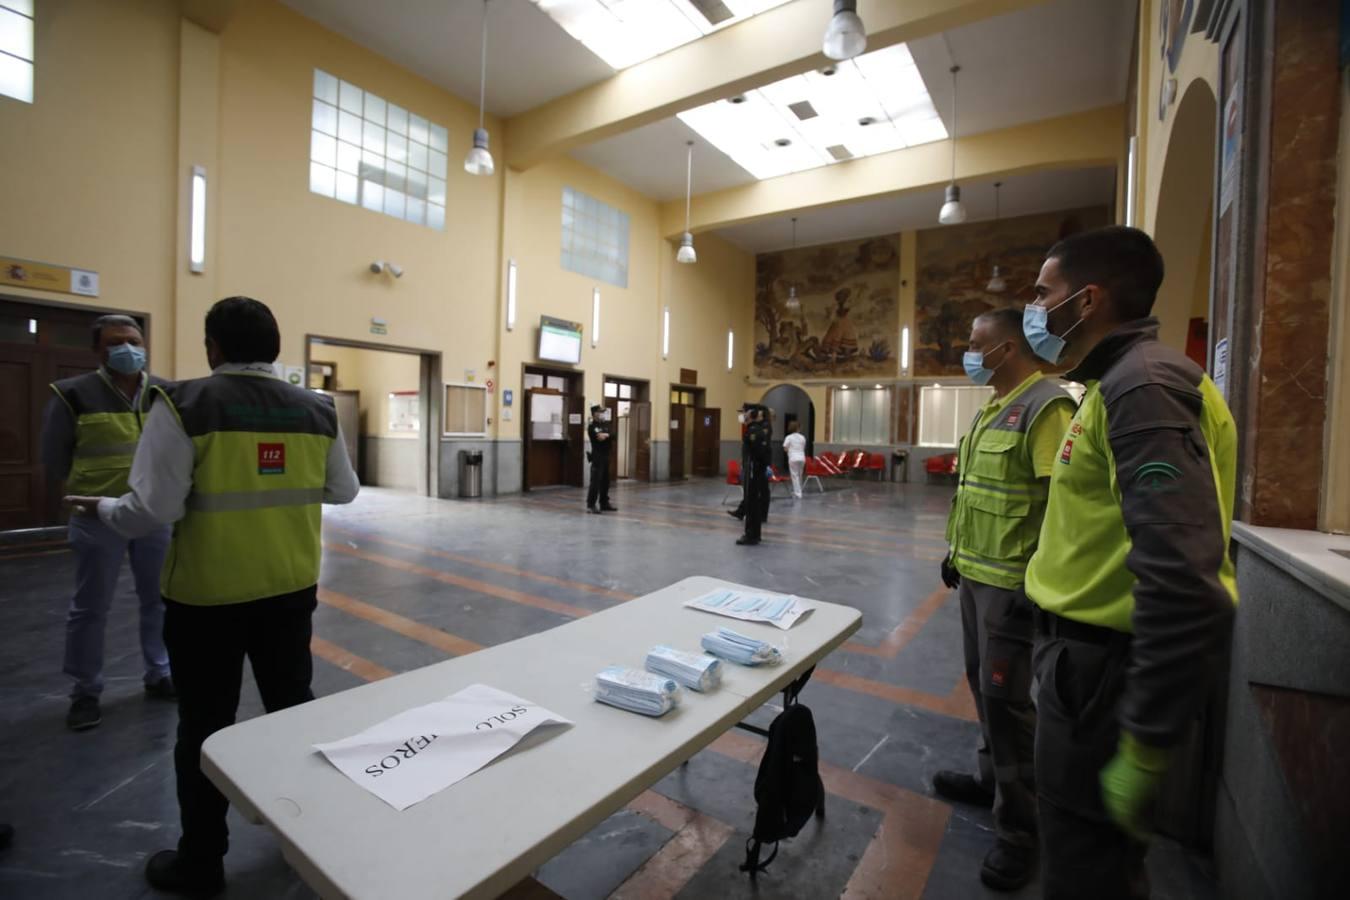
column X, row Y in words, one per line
column 559, row 340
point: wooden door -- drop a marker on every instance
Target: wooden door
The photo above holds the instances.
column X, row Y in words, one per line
column 574, row 454
column 677, row 460
column 642, row 436
column 543, row 440
column 707, row 440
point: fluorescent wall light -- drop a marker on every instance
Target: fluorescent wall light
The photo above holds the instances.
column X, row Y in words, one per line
column 595, row 316
column 1131, row 174
column 731, row 350
column 904, row 349
column 197, row 237
column 510, row 294
column 665, row 333
column 32, row 326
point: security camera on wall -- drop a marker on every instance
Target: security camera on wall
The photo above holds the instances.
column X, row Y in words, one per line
column 377, row 267
column 380, row 265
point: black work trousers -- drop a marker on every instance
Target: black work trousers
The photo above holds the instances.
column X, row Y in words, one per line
column 207, row 646
column 599, row 487
column 997, row 632
column 756, row 499
column 1081, row 675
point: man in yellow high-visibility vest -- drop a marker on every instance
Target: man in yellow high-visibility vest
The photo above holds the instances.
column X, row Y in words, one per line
column 1132, row 578
column 240, row 461
column 1004, row 470
column 89, row 433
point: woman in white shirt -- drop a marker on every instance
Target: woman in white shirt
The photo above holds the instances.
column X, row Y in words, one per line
column 795, row 447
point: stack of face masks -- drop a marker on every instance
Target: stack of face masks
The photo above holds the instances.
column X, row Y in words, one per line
column 695, row 671
column 637, row 691
column 738, row 648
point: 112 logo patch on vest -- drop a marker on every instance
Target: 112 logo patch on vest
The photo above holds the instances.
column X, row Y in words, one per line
column 271, row 459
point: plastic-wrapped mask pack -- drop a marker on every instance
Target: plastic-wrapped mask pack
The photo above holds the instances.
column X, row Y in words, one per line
column 739, row 648
column 696, row 671
column 637, row 691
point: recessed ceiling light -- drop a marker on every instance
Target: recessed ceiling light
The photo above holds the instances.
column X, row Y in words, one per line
column 739, row 98
column 883, row 86
column 782, row 142
column 828, row 71
column 624, row 34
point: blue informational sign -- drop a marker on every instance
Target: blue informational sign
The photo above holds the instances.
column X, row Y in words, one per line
column 506, row 397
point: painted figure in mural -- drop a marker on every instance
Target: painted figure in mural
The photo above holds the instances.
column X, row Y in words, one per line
column 841, row 340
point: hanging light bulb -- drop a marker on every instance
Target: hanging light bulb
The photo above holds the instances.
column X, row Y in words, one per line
column 996, row 283
column 686, row 252
column 953, row 210
column 479, row 160
column 792, row 301
column 845, row 36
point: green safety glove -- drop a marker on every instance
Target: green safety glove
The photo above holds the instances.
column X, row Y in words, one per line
column 1130, row 784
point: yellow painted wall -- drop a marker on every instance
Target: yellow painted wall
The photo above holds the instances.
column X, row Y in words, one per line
column 86, row 171
column 376, row 375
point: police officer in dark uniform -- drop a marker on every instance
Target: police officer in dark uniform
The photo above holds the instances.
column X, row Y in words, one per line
column 756, row 451
column 598, row 432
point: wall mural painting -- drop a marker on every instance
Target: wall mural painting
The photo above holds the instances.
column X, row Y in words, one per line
column 954, row 267
column 847, row 318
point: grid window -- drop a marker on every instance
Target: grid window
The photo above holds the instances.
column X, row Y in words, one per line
column 946, row 412
column 861, row 416
column 16, row 49
column 368, row 152
column 594, row 238
column 465, row 409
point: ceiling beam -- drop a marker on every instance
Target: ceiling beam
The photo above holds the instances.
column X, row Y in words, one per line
column 1081, row 140
column 771, row 46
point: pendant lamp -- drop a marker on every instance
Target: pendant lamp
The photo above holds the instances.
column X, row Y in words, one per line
column 479, row 160
column 793, row 302
column 996, row 283
column 686, row 252
column 845, row 36
column 953, row 210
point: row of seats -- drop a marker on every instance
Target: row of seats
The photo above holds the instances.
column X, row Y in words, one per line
column 827, row 465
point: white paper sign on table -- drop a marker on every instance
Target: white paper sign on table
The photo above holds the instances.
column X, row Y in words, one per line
column 782, row 610
column 417, row 753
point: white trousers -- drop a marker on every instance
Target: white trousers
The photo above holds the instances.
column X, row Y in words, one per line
column 795, row 467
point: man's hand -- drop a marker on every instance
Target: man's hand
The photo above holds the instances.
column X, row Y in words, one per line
column 1130, row 785
column 82, row 506
column 950, row 577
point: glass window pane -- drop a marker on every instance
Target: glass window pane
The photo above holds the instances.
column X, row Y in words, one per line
column 23, row 7
column 440, row 139
column 417, row 155
column 349, row 127
column 375, row 107
column 350, row 97
column 436, row 216
column 321, row 179
column 325, row 87
column 372, row 195
column 372, row 138
column 348, row 157
column 436, row 191
column 322, row 149
column 394, row 203
column 397, row 147
column 324, row 118
column 347, row 187
column 398, row 120
column 16, row 35
column 625, row 392
column 417, row 184
column 16, row 78
column 417, row 129
column 436, row 164
column 611, row 389
column 416, row 211
column 396, row 176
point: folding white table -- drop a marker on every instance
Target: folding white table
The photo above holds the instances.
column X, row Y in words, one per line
column 480, row 836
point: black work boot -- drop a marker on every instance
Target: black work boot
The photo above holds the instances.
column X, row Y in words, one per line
column 1008, row 867
column 962, row 788
column 169, row 872
column 84, row 714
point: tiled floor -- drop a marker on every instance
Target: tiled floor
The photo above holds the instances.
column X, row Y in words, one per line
column 408, row 581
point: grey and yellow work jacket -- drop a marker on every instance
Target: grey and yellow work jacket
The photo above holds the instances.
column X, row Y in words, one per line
column 107, row 427
column 1000, row 502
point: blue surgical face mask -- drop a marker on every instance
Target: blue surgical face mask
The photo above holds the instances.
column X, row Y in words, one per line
column 126, row 359
column 975, row 367
column 1036, row 327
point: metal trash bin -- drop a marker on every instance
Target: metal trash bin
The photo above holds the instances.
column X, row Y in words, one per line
column 900, row 465
column 471, row 473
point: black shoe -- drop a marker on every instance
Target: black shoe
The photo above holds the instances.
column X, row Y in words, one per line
column 166, row 871
column 1008, row 867
column 6, row 836
column 162, row 689
column 962, row 788
column 747, row 542
column 609, row 509
column 84, row 714
column 738, row 516
column 592, row 510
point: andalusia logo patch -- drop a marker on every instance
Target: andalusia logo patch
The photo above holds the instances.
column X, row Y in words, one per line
column 1157, row 476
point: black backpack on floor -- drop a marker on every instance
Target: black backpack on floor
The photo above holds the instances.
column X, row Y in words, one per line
column 788, row 789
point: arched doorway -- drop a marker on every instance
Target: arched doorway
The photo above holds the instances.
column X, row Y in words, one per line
column 790, row 404
column 1183, row 226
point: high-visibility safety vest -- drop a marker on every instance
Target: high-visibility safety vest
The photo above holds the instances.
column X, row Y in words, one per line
column 251, row 529
column 107, row 429
column 999, row 504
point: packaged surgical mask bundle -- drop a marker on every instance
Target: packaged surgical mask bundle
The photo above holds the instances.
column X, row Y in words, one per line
column 738, row 648
column 637, row 691
column 696, row 671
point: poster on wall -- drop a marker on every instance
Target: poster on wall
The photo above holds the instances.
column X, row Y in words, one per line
column 1220, row 374
column 1231, row 147
column 47, row 277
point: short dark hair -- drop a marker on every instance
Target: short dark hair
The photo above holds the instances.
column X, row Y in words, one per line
column 1123, row 260
column 1006, row 324
column 596, row 408
column 244, row 329
column 102, row 322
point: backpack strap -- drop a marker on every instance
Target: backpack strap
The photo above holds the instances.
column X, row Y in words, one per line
column 752, row 863
column 794, row 688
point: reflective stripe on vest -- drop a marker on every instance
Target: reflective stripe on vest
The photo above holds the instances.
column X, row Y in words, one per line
column 252, row 525
column 107, row 429
column 997, row 512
